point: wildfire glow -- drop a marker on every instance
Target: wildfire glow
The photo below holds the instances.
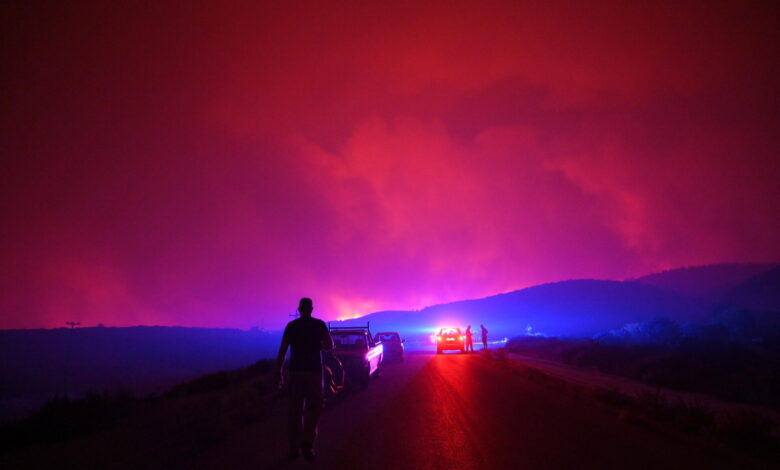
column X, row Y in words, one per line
column 373, row 155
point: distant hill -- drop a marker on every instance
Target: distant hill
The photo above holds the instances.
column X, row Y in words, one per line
column 759, row 293
column 38, row 364
column 569, row 308
column 705, row 282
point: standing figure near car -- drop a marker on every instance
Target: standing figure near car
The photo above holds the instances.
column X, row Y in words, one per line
column 484, row 336
column 306, row 338
column 469, row 340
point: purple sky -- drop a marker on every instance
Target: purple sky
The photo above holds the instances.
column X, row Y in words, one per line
column 209, row 165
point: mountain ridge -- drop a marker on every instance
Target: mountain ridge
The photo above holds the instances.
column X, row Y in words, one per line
column 583, row 307
column 705, row 281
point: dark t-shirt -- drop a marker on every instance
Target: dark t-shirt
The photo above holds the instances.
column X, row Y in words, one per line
column 305, row 338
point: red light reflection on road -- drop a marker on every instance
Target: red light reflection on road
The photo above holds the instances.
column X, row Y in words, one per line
column 448, row 440
column 427, row 425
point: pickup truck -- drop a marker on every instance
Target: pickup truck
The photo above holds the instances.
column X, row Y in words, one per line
column 357, row 350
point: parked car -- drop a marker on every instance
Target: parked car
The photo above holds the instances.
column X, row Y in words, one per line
column 358, row 352
column 450, row 338
column 392, row 343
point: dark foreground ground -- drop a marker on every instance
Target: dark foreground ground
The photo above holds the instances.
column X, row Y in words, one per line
column 466, row 412
column 431, row 412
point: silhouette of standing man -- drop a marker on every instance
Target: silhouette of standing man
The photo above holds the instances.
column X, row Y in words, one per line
column 484, row 336
column 469, row 340
column 306, row 337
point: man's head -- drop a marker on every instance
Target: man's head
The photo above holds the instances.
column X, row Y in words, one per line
column 305, row 307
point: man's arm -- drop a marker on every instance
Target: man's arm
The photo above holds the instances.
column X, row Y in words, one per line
column 280, row 356
column 282, row 352
column 327, row 341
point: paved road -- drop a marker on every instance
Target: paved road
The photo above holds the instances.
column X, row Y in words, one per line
column 456, row 411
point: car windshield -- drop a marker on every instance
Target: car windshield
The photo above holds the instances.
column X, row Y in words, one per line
column 387, row 337
column 450, row 332
column 349, row 340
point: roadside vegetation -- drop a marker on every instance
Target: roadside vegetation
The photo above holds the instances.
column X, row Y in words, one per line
column 743, row 430
column 190, row 418
column 744, row 435
column 730, row 359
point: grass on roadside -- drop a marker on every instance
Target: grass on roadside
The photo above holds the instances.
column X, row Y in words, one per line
column 742, row 430
column 194, row 409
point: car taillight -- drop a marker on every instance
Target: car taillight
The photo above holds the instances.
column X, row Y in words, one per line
column 438, row 338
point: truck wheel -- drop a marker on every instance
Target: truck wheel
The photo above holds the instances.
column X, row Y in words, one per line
column 366, row 378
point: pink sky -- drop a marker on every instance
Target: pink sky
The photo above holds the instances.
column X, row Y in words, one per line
column 208, row 166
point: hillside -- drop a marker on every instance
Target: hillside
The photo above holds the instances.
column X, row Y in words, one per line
column 38, row 364
column 706, row 282
column 568, row 308
column 759, row 293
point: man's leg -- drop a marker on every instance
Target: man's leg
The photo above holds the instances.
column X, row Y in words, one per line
column 295, row 411
column 313, row 411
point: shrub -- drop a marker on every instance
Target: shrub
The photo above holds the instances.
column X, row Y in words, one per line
column 61, row 418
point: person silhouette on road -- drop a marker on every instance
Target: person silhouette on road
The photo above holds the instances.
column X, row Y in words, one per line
column 469, row 340
column 484, row 336
column 306, row 337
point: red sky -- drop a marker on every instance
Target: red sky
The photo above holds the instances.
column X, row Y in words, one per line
column 202, row 164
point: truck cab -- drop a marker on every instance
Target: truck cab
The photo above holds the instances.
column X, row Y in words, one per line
column 358, row 351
